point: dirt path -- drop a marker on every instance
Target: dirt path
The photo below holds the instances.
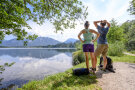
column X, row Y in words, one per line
column 129, row 54
column 123, row 79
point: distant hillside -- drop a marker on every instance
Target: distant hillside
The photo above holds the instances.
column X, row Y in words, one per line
column 70, row 40
column 40, row 41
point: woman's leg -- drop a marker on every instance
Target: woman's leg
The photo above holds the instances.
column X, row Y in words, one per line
column 92, row 59
column 87, row 60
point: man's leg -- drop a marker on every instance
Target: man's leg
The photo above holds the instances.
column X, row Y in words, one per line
column 95, row 61
column 104, row 54
column 97, row 52
column 105, row 62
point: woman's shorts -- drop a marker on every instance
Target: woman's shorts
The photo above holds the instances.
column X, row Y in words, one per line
column 88, row 47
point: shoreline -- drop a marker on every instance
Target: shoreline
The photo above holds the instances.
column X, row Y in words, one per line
column 66, row 80
column 35, row 48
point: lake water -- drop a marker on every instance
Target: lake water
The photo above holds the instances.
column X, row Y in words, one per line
column 32, row 64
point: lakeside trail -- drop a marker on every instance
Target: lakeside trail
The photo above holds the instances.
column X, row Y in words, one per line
column 123, row 79
column 129, row 54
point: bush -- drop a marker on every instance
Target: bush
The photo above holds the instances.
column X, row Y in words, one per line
column 131, row 45
column 78, row 57
column 78, row 45
column 116, row 49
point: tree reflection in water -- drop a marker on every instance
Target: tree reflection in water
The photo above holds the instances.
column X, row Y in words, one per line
column 2, row 69
column 33, row 64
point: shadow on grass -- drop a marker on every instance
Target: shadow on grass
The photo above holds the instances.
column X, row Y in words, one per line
column 75, row 81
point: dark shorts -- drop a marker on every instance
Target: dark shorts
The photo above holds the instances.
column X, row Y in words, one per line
column 88, row 47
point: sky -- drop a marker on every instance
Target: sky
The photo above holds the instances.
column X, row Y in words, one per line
column 97, row 9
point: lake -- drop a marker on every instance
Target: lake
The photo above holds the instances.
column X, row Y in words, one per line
column 32, row 64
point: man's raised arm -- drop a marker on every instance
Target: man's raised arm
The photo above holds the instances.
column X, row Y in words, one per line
column 108, row 24
column 96, row 23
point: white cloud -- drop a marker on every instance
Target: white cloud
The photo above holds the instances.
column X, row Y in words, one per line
column 102, row 0
column 34, row 68
column 98, row 10
column 116, row 8
column 47, row 30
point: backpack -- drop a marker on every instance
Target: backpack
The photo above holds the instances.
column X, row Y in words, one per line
column 109, row 65
column 80, row 71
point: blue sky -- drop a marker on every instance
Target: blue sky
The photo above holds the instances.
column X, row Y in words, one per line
column 97, row 9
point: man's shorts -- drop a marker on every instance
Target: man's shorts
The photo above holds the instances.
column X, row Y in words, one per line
column 101, row 49
column 88, row 47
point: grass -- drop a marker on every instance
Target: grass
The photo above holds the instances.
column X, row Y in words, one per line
column 133, row 52
column 64, row 81
column 67, row 81
column 125, row 58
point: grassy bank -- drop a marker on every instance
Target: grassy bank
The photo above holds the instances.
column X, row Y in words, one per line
column 68, row 81
column 64, row 81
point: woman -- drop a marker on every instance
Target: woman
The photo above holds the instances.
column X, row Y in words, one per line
column 88, row 45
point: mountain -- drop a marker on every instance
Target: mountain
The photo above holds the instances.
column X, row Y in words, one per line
column 43, row 41
column 70, row 40
column 40, row 41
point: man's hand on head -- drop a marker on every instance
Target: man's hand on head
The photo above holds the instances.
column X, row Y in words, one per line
column 103, row 21
column 108, row 24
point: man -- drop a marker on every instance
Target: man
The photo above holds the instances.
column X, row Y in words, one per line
column 102, row 44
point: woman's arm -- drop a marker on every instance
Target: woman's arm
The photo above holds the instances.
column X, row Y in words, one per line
column 93, row 31
column 80, row 35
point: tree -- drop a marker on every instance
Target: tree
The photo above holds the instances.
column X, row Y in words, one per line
column 129, row 30
column 132, row 7
column 15, row 14
column 115, row 32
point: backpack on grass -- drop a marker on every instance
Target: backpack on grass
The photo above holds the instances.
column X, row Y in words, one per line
column 80, row 71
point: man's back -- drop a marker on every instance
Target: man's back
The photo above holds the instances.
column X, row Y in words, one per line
column 103, row 32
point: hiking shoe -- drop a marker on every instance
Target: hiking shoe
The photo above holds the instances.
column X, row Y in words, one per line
column 93, row 70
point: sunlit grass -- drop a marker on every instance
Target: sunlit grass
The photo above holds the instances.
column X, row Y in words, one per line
column 125, row 58
column 64, row 81
column 67, row 81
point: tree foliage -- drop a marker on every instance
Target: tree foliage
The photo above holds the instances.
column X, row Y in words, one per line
column 132, row 7
column 15, row 14
column 129, row 30
column 115, row 32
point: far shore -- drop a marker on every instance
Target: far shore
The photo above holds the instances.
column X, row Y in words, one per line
column 32, row 48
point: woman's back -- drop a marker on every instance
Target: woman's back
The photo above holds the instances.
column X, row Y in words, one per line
column 87, row 37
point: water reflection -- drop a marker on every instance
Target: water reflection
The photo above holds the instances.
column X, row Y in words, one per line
column 33, row 64
column 2, row 69
column 36, row 53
